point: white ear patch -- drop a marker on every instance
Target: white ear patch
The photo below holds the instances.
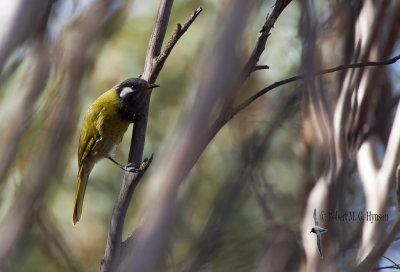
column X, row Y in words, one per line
column 126, row 91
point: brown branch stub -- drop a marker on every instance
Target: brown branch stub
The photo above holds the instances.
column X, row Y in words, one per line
column 260, row 67
column 145, row 164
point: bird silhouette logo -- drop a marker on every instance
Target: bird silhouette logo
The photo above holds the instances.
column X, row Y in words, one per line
column 318, row 231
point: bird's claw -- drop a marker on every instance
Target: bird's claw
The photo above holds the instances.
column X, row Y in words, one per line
column 131, row 167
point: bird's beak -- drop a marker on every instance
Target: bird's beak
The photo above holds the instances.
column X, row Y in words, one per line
column 152, row 86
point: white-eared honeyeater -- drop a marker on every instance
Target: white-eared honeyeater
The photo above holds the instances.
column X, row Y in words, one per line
column 103, row 128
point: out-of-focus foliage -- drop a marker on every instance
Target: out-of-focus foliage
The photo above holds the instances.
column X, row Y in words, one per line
column 265, row 209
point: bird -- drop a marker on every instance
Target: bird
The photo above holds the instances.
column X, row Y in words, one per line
column 103, row 127
column 318, row 230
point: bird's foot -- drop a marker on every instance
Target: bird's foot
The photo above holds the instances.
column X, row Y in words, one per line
column 135, row 168
column 131, row 167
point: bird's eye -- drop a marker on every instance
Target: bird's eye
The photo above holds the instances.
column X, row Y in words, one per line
column 126, row 91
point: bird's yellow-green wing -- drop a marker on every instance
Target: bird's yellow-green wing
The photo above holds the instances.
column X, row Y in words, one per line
column 88, row 138
column 89, row 133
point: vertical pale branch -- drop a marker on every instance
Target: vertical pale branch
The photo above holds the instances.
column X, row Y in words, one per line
column 376, row 185
column 316, row 112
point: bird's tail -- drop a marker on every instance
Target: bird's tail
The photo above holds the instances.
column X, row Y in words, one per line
column 80, row 195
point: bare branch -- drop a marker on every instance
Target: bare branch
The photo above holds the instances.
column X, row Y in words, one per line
column 306, row 75
column 260, row 67
column 179, row 31
column 280, row 5
column 114, row 238
column 153, row 65
column 113, row 246
column 152, row 68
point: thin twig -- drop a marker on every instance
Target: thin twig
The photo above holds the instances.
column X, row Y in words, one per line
column 385, row 267
column 306, row 75
column 265, row 32
column 152, row 68
column 393, row 262
column 179, row 31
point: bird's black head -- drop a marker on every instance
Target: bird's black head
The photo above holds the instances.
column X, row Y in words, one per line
column 133, row 89
column 132, row 92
